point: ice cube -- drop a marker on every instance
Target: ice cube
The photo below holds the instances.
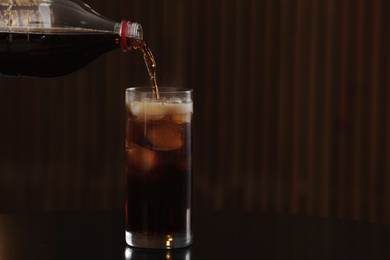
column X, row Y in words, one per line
column 131, row 132
column 165, row 137
column 147, row 110
column 181, row 119
column 134, row 130
column 144, row 158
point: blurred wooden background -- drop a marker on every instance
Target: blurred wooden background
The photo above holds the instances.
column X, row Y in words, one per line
column 291, row 109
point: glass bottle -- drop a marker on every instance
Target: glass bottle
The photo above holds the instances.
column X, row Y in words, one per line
column 54, row 38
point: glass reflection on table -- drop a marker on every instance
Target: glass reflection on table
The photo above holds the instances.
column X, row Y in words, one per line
column 145, row 254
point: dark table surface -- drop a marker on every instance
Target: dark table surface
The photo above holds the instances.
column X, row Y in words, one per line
column 217, row 235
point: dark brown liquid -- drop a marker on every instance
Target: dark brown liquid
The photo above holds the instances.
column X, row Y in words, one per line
column 158, row 175
column 51, row 55
column 149, row 62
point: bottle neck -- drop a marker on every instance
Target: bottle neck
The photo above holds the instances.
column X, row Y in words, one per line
column 128, row 32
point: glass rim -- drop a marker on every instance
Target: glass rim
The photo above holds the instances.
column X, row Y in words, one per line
column 165, row 90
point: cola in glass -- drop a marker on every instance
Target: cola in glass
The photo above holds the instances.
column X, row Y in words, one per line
column 159, row 168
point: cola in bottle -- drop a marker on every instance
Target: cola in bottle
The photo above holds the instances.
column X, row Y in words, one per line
column 55, row 38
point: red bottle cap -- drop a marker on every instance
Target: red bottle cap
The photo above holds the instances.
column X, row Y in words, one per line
column 124, row 44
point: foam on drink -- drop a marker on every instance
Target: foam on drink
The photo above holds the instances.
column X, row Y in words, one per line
column 151, row 108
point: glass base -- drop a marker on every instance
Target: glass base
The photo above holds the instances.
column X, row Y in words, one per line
column 158, row 241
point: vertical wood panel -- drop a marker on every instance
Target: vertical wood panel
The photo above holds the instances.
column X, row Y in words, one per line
column 330, row 68
column 298, row 177
column 254, row 98
column 341, row 116
column 373, row 70
column 359, row 77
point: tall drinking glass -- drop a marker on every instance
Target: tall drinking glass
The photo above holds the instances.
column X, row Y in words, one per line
column 159, row 168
